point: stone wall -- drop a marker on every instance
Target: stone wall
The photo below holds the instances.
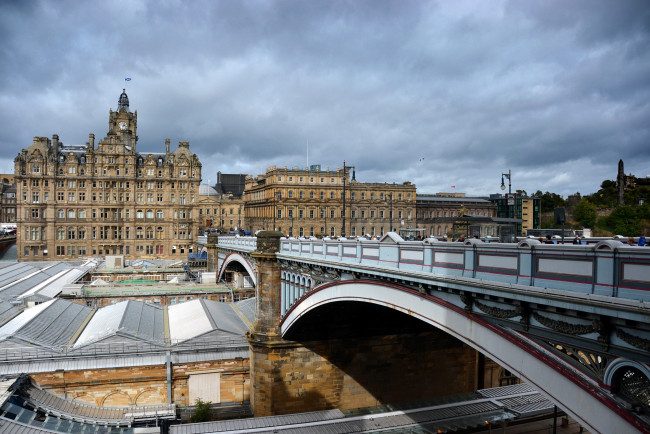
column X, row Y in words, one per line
column 145, row 385
column 361, row 372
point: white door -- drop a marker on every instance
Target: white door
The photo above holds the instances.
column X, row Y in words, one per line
column 205, row 386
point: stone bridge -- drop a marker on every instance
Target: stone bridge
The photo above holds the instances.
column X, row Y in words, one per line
column 574, row 321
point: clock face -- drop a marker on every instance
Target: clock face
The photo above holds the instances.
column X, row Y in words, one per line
column 122, row 126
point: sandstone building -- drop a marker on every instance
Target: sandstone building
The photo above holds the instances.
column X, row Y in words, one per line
column 436, row 212
column 107, row 198
column 309, row 202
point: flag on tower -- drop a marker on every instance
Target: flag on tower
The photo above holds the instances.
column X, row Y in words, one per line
column 453, row 186
column 127, row 79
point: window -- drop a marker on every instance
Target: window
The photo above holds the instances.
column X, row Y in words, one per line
column 72, row 169
column 322, row 195
column 311, row 213
column 60, row 195
column 300, row 214
column 60, row 213
column 311, row 194
column 159, row 214
column 300, row 194
column 71, row 213
column 150, row 171
column 139, row 214
column 36, row 168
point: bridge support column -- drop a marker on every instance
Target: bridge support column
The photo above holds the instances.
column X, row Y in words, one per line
column 213, row 260
column 265, row 336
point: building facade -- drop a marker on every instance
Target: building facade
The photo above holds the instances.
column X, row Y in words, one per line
column 75, row 201
column 528, row 209
column 310, row 202
column 435, row 213
column 8, row 199
column 221, row 211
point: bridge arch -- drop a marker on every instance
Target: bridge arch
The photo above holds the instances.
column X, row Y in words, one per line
column 522, row 357
column 240, row 259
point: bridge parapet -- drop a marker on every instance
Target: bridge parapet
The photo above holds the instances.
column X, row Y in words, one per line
column 608, row 268
column 248, row 244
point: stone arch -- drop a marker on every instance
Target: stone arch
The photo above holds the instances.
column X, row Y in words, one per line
column 116, row 398
column 523, row 358
column 237, row 257
column 85, row 397
column 151, row 393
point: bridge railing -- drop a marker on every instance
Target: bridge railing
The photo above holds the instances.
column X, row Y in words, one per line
column 238, row 243
column 608, row 268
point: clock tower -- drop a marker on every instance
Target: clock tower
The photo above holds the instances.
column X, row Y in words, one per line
column 124, row 122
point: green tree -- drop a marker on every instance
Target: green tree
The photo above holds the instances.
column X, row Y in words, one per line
column 607, row 196
column 550, row 201
column 624, row 220
column 585, row 213
column 201, row 411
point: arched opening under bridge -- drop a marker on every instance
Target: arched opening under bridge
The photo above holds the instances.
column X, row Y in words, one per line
column 334, row 312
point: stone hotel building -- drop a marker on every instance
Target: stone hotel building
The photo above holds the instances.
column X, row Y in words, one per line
column 106, row 199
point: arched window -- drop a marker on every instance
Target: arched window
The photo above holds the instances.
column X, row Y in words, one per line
column 82, row 233
column 138, row 233
column 159, row 214
column 71, row 213
column 149, row 214
column 60, row 213
column 139, row 214
column 159, row 233
column 60, row 233
column 149, row 233
column 71, row 233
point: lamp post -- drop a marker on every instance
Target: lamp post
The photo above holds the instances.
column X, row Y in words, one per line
column 509, row 197
column 279, row 194
column 345, row 175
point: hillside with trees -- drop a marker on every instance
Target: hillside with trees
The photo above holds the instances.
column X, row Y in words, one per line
column 600, row 211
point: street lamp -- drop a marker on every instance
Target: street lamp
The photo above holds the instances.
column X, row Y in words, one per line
column 389, row 196
column 509, row 199
column 503, row 186
column 279, row 194
column 345, row 175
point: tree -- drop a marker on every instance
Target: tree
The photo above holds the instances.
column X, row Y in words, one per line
column 622, row 221
column 585, row 213
column 550, row 201
column 201, row 411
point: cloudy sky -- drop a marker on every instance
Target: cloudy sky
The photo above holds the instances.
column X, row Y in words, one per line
column 449, row 93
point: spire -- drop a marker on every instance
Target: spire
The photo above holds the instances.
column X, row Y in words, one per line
column 123, row 103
